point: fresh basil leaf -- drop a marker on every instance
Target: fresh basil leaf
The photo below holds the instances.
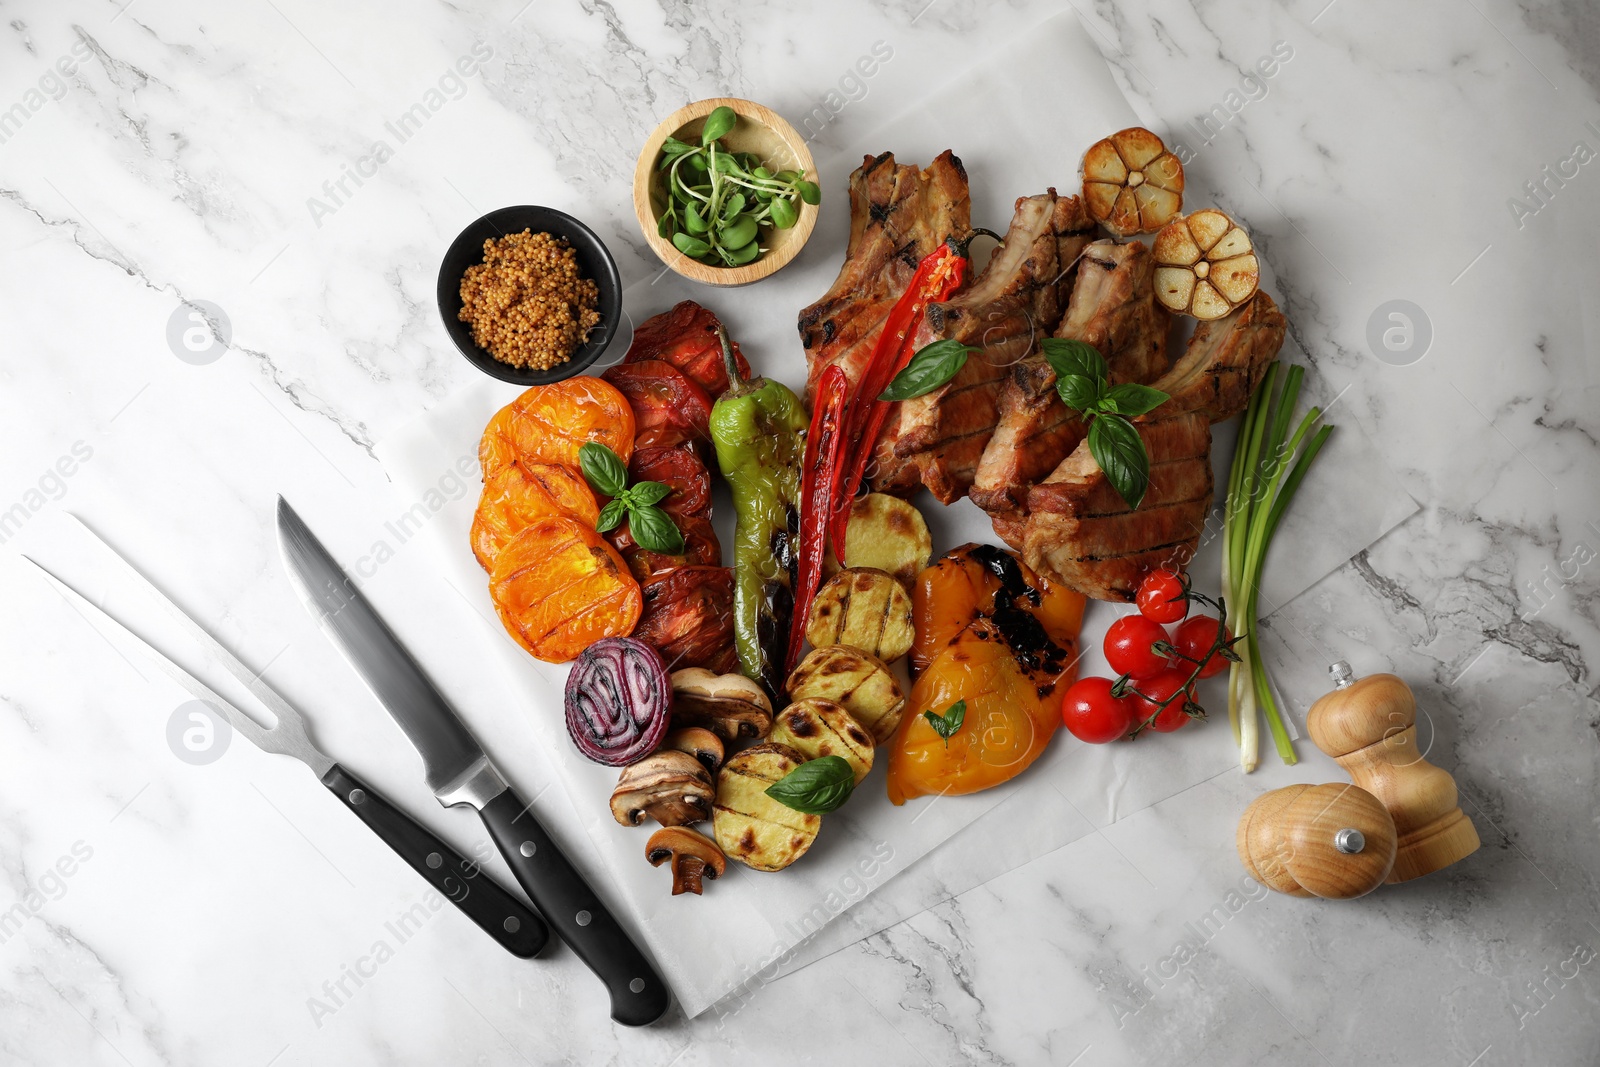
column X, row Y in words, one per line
column 606, row 472
column 1077, row 392
column 611, row 515
column 690, row 245
column 645, row 493
column 783, row 213
column 932, row 366
column 718, row 124
column 1119, row 450
column 738, row 233
column 947, row 724
column 816, row 787
column 654, row 529
column 809, row 192
column 1074, row 357
column 1132, row 399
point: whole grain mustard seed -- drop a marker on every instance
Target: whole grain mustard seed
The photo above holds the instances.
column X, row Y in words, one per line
column 526, row 302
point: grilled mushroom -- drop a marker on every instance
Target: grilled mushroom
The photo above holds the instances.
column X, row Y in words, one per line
column 694, row 857
column 699, row 742
column 669, row 786
column 731, row 705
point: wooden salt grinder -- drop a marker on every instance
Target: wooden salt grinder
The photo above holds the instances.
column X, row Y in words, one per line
column 1334, row 841
column 1370, row 727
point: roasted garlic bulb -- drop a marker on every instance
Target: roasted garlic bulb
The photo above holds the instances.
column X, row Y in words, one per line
column 1131, row 183
column 1205, row 265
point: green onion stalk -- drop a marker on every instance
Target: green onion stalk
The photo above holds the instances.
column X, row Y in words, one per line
column 1258, row 495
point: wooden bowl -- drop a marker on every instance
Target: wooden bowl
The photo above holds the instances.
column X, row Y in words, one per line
column 759, row 130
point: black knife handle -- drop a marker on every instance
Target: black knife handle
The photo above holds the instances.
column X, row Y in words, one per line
column 460, row 880
column 638, row 994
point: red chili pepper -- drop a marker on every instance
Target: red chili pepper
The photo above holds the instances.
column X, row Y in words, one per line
column 819, row 495
column 940, row 274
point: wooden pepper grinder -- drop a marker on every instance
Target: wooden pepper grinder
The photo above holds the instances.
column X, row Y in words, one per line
column 1370, row 727
column 1334, row 841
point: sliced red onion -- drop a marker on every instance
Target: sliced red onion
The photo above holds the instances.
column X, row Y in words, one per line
column 619, row 701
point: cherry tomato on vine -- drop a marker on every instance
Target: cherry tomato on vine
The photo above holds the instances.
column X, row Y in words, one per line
column 1092, row 714
column 1128, row 650
column 1161, row 596
column 1195, row 638
column 1152, row 691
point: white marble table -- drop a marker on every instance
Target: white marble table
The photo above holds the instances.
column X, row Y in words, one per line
column 156, row 154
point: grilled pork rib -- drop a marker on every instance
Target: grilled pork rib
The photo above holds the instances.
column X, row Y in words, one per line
column 898, row 214
column 1113, row 307
column 937, row 439
column 1080, row 532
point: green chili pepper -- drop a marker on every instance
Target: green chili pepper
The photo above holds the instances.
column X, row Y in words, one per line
column 758, row 429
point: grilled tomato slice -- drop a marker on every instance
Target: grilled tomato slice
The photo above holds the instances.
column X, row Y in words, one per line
column 680, row 469
column 686, row 337
column 700, row 549
column 688, row 618
column 516, row 495
column 549, row 423
column 668, row 407
column 559, row 588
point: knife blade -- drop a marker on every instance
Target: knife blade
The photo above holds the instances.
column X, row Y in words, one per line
column 458, row 879
column 460, row 773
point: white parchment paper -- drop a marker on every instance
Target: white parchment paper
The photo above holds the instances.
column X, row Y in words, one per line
column 1020, row 125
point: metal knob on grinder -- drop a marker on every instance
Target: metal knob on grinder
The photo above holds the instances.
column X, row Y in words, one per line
column 1333, row 841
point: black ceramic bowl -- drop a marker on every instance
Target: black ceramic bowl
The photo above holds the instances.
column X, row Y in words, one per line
column 594, row 262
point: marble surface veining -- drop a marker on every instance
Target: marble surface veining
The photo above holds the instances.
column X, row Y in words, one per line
column 163, row 159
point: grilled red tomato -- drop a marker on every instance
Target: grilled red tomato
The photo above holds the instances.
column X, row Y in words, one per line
column 688, row 618
column 700, row 548
column 668, row 407
column 686, row 337
column 679, row 468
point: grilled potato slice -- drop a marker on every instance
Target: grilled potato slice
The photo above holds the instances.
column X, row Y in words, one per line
column 816, row 728
column 887, row 533
column 750, row 826
column 863, row 608
column 858, row 681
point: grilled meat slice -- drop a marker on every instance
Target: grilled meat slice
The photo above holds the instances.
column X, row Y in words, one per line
column 898, row 214
column 1079, row 531
column 1225, row 361
column 1113, row 307
column 937, row 439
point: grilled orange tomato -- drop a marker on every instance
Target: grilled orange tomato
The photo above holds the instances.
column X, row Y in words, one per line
column 516, row 495
column 994, row 634
column 559, row 588
column 549, row 423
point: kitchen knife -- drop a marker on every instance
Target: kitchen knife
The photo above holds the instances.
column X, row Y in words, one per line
column 458, row 772
column 462, row 881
